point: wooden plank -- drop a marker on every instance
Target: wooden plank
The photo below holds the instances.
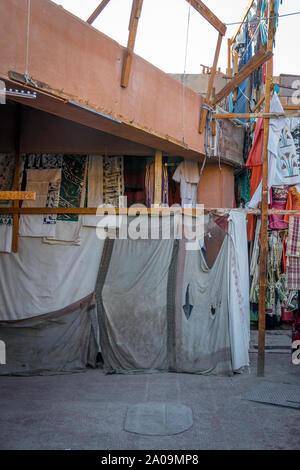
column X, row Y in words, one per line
column 229, row 55
column 97, row 12
column 210, row 84
column 264, row 205
column 255, row 115
column 236, row 60
column 135, row 15
column 123, row 211
column 259, row 103
column 208, row 15
column 243, row 20
column 256, row 61
column 158, row 178
column 291, row 106
column 17, row 195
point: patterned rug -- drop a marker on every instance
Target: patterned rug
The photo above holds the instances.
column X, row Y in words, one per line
column 6, row 184
column 72, row 183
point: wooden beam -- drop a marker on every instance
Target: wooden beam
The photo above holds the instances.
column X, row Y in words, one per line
column 291, row 106
column 124, row 211
column 243, row 20
column 158, row 178
column 229, row 55
column 264, row 204
column 134, row 19
column 259, row 103
column 97, row 12
column 210, row 84
column 17, row 195
column 236, row 63
column 255, row 115
column 208, row 15
column 256, row 61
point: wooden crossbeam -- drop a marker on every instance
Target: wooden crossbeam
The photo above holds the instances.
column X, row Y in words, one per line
column 208, row 15
column 243, row 20
column 256, row 61
column 17, row 195
column 211, row 83
column 255, row 115
column 133, row 24
column 97, row 12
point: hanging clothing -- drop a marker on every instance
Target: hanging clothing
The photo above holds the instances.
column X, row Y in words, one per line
column 134, row 178
column 293, row 254
column 72, row 194
column 150, row 183
column 293, row 200
column 278, row 201
column 174, row 191
column 188, row 175
column 282, row 156
column 46, row 185
column 254, row 163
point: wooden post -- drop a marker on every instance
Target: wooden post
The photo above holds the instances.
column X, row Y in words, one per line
column 236, row 60
column 16, row 184
column 243, row 20
column 133, row 24
column 211, row 84
column 264, row 205
column 158, row 178
column 229, row 56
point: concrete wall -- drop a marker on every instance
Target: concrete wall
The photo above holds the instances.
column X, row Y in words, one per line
column 199, row 82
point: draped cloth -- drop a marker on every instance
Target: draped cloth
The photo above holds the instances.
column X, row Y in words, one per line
column 161, row 308
column 60, row 341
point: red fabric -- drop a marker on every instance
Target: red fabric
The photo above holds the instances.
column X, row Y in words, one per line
column 286, row 316
column 254, row 162
column 293, row 202
column 174, row 192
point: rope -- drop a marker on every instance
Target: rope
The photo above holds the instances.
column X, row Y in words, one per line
column 26, row 74
column 184, row 73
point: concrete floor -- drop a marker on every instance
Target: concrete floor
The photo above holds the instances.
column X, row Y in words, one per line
column 87, row 410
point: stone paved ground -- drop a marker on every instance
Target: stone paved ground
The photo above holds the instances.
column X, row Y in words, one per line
column 87, row 410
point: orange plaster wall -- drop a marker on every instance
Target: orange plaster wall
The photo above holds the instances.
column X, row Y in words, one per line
column 216, row 187
column 73, row 57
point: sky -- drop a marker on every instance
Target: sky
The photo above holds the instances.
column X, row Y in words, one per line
column 168, row 40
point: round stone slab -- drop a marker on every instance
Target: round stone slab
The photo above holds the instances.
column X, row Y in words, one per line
column 158, row 419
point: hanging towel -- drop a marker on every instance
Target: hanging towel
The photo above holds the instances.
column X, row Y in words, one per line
column 95, row 188
column 72, row 194
column 46, row 185
column 187, row 174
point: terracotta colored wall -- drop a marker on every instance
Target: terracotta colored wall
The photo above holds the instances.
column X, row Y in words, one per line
column 71, row 56
column 216, row 188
